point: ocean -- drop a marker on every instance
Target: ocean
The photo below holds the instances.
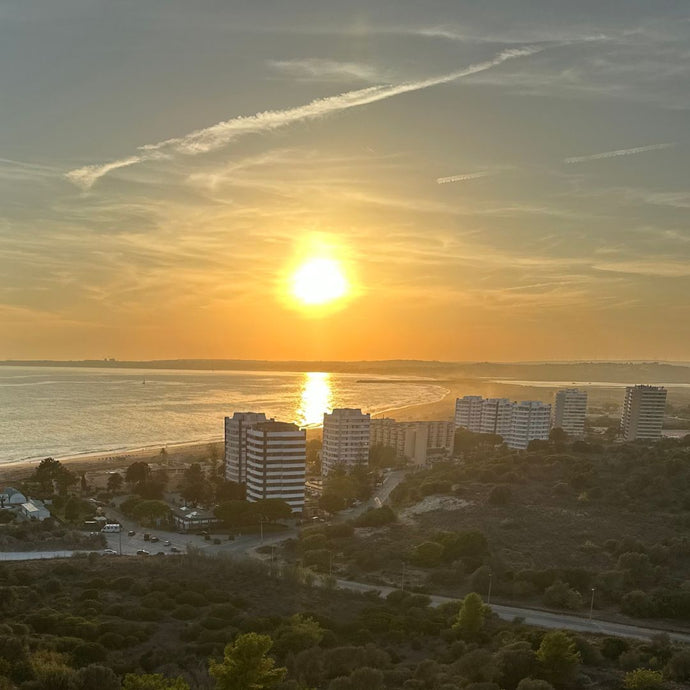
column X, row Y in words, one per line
column 64, row 412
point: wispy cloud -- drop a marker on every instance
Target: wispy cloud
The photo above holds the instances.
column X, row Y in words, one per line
column 327, row 70
column 222, row 133
column 619, row 152
column 463, row 177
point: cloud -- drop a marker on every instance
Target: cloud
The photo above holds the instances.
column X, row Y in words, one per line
column 222, row 133
column 619, row 152
column 462, row 178
column 326, row 70
column 658, row 268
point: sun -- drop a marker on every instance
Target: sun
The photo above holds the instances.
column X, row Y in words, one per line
column 319, row 281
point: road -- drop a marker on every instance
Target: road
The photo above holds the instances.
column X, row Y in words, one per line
column 380, row 496
column 540, row 619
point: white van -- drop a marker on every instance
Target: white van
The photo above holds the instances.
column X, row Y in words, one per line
column 112, row 527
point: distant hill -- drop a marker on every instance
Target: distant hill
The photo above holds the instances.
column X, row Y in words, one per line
column 616, row 372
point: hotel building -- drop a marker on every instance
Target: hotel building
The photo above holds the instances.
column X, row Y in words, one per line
column 416, row 441
column 643, row 412
column 235, row 444
column 570, row 410
column 276, row 456
column 345, row 439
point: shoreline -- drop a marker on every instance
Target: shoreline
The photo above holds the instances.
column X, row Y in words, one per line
column 181, row 453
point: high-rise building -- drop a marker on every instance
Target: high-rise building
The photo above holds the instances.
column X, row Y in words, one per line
column 276, row 455
column 415, row 441
column 345, row 439
column 235, row 443
column 570, row 410
column 531, row 420
column 497, row 417
column 643, row 412
column 468, row 412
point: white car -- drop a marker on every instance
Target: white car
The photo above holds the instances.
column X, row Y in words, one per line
column 109, row 552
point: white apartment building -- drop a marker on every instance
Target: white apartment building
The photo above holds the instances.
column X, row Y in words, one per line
column 235, row 444
column 468, row 412
column 643, row 412
column 276, row 457
column 570, row 410
column 497, row 417
column 345, row 439
column 415, row 441
column 531, row 420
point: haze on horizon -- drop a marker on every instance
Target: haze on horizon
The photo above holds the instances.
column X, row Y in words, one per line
column 498, row 181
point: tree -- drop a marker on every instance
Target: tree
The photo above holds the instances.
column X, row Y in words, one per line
column 194, row 487
column 515, row 661
column 314, row 455
column 137, row 472
column 558, row 657
column 678, row 667
column 234, row 513
column 152, row 681
column 471, row 616
column 643, row 679
column 51, row 472
column 428, row 554
column 95, row 676
column 163, row 457
column 151, row 511
column 246, row 666
column 115, row 482
column 227, row 490
column 271, row 509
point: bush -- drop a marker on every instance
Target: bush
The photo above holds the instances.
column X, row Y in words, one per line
column 643, row 679
column 427, row 554
column 562, row 596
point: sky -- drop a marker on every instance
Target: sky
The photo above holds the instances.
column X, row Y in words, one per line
column 504, row 180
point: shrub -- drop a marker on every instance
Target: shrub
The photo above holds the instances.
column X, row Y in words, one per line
column 643, row 679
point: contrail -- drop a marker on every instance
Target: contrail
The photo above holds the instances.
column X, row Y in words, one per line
column 619, row 152
column 461, row 178
column 220, row 134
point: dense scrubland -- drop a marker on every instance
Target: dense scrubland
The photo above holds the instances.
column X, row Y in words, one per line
column 149, row 623
column 544, row 527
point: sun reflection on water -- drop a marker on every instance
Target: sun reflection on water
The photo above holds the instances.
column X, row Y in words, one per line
column 315, row 398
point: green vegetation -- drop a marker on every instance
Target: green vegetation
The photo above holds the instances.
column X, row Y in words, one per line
column 563, row 525
column 203, row 623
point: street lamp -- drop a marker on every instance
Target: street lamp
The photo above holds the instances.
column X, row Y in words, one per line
column 261, row 527
column 488, row 596
column 591, row 604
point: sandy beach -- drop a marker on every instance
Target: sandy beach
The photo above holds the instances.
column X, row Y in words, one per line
column 183, row 454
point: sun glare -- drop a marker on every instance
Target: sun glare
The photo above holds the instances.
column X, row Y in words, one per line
column 319, row 281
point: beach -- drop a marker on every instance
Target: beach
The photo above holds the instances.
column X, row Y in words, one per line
column 179, row 455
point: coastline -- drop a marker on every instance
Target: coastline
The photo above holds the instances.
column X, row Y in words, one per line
column 183, row 453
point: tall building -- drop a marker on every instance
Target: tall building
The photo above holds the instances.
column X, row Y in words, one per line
column 570, row 410
column 497, row 417
column 416, row 441
column 643, row 412
column 345, row 439
column 531, row 420
column 468, row 412
column 276, row 455
column 235, row 444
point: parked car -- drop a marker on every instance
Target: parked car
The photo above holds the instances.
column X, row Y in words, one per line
column 154, row 539
column 131, row 533
column 166, row 542
column 109, row 552
column 147, row 537
column 142, row 552
column 174, row 549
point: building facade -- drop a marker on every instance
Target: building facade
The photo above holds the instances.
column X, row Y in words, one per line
column 235, row 444
column 643, row 412
column 346, row 434
column 531, row 420
column 416, row 441
column 569, row 412
column 276, row 457
column 468, row 412
column 497, row 417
